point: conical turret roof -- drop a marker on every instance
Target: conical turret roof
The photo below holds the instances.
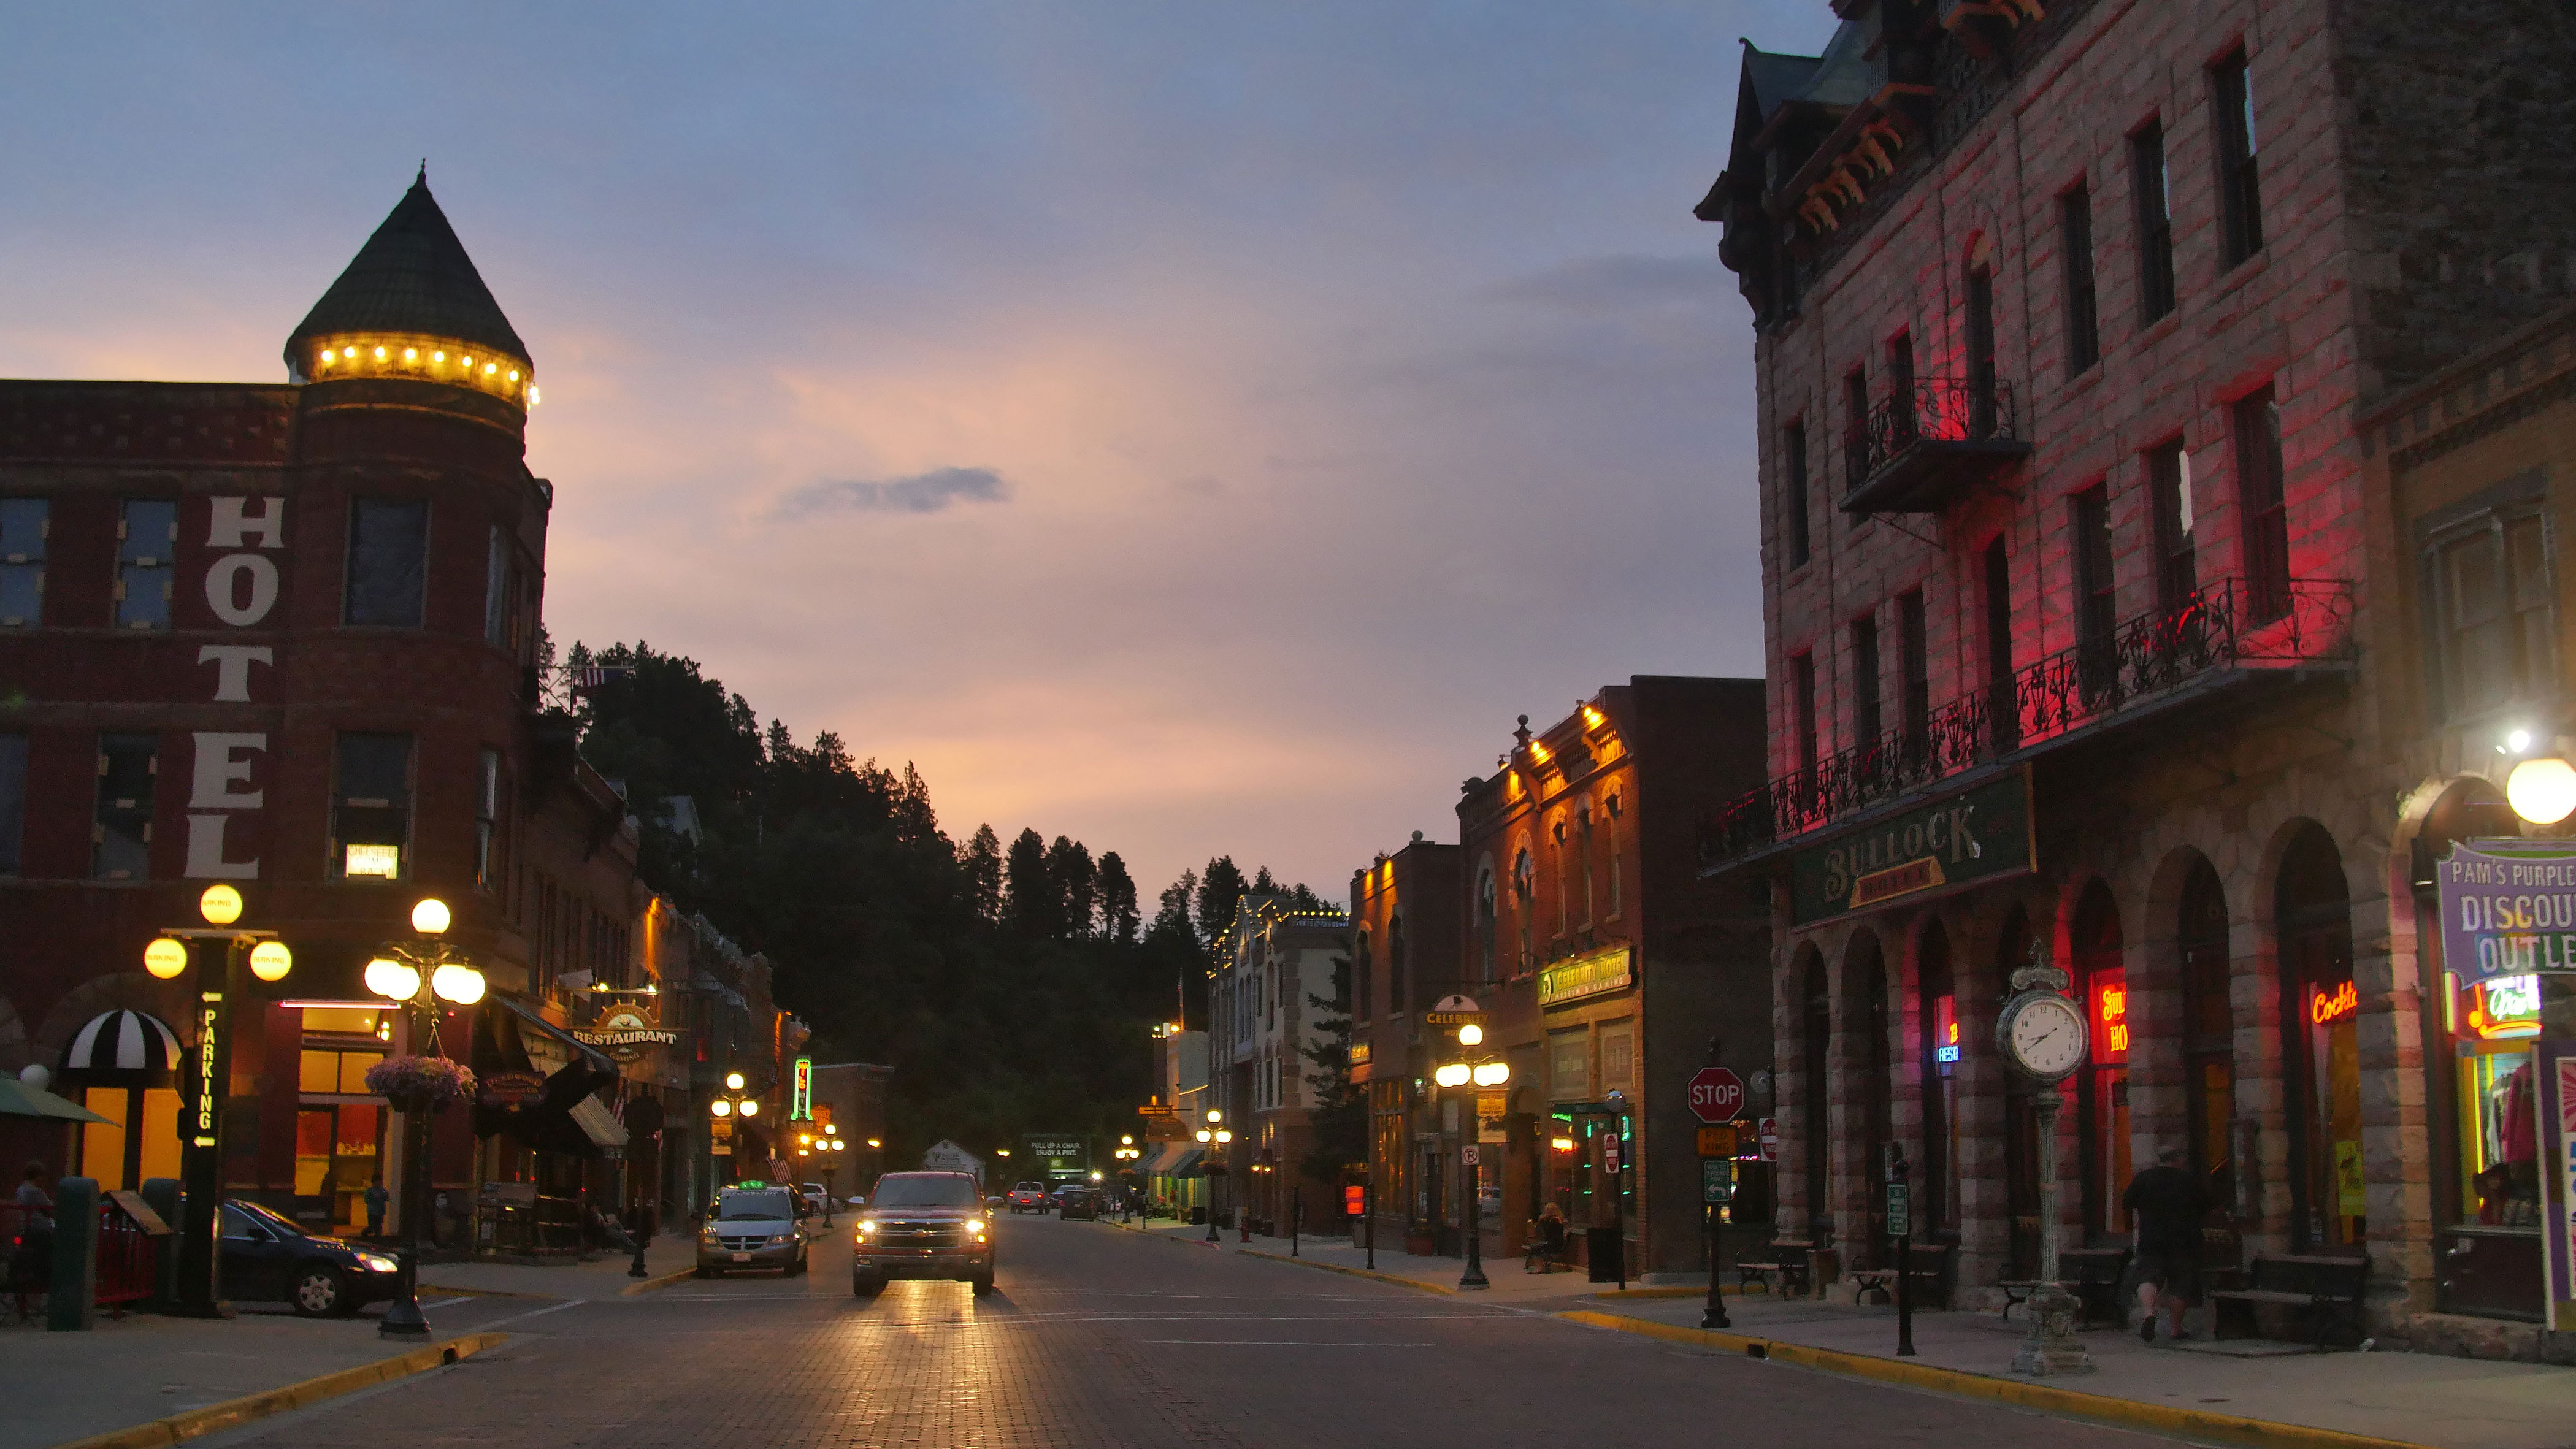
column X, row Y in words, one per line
column 412, row 276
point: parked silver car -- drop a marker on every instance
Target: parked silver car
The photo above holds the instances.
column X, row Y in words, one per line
column 753, row 1227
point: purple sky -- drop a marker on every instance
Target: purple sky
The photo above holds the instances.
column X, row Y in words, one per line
column 1188, row 428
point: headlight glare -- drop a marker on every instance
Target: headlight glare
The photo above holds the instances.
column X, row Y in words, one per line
column 379, row 1264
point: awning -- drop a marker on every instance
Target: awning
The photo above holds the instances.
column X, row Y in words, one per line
column 1173, row 1159
column 596, row 1120
column 550, row 1048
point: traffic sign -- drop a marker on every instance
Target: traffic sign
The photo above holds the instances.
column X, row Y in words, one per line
column 1716, row 1095
column 1718, row 1141
column 1467, row 1154
column 1717, row 1181
column 1900, row 1211
column 1355, row 1200
column 1610, row 1158
column 1768, row 1130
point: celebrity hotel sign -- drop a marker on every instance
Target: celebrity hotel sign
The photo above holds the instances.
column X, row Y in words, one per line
column 1953, row 841
column 2508, row 907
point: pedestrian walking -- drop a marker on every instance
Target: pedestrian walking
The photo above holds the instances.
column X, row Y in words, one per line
column 2167, row 1203
column 31, row 1261
column 377, row 1197
column 437, row 1217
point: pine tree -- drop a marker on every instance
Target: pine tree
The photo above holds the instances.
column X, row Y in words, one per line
column 1172, row 912
column 1076, row 882
column 1034, row 908
column 1117, row 900
column 1220, row 889
column 981, row 864
column 1341, row 1106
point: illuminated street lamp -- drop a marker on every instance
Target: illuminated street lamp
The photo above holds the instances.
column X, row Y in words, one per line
column 1213, row 1136
column 1490, row 1072
column 416, row 975
column 736, row 1100
column 201, row 1158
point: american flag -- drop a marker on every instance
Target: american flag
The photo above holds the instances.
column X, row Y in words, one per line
column 587, row 677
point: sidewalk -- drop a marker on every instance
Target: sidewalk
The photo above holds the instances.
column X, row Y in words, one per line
column 602, row 1277
column 2429, row 1399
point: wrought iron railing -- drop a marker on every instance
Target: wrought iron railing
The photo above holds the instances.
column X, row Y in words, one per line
column 2224, row 626
column 1933, row 409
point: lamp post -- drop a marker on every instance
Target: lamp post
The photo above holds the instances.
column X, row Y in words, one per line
column 1212, row 1137
column 1490, row 1072
column 734, row 1101
column 201, row 1152
column 416, row 975
column 829, row 1148
column 1127, row 1152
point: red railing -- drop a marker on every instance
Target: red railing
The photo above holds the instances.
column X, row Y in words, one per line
column 126, row 1259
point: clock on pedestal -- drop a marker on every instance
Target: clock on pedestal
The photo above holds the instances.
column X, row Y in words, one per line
column 2043, row 1034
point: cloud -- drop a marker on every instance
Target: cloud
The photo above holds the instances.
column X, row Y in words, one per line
column 931, row 492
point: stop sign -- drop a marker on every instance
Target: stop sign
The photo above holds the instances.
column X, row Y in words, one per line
column 1717, row 1095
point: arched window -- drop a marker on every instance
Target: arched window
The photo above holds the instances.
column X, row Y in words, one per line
column 1524, row 902
column 2208, row 1030
column 1398, row 990
column 2321, row 1030
column 1866, row 969
column 1485, row 918
column 2101, row 982
column 1363, row 1005
column 1943, row 1052
column 1583, row 852
column 1815, row 1102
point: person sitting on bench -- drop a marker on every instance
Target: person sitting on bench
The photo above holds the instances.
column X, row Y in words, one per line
column 2167, row 1203
column 1547, row 1241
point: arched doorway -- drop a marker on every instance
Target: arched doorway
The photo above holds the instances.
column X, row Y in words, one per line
column 2208, row 1031
column 1937, row 988
column 2101, row 981
column 1865, row 970
column 1815, row 1099
column 2321, row 1045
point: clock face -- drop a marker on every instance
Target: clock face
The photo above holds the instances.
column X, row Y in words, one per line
column 2047, row 1037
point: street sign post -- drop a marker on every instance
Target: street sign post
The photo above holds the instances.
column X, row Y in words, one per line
column 1719, row 1141
column 1716, row 1095
column 1768, row 1132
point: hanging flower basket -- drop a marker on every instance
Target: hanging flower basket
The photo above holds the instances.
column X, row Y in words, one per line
column 415, row 1084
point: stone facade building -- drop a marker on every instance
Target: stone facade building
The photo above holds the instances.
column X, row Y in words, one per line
column 2068, row 320
column 1261, row 1026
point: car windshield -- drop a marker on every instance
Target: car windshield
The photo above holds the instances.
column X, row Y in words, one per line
column 768, row 1203
column 1030, row 1187
column 926, row 1191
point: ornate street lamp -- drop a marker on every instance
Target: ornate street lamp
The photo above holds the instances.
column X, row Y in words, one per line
column 416, row 975
column 1213, row 1136
column 201, row 1159
column 1489, row 1072
column 734, row 1101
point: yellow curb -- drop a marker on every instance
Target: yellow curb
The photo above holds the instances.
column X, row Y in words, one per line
column 1396, row 1279
column 649, row 1284
column 2164, row 1419
column 179, row 1428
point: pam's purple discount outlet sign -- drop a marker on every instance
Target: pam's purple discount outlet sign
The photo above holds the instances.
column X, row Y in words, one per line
column 2508, row 907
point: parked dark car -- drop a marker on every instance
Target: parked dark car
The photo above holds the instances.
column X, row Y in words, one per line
column 268, row 1259
column 1084, row 1202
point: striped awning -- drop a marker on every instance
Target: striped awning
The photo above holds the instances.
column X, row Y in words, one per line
column 1173, row 1159
column 120, row 1049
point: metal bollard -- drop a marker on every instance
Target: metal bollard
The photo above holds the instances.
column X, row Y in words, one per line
column 161, row 1194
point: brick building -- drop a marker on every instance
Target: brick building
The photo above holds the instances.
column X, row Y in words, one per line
column 1405, row 921
column 2066, row 320
column 286, row 636
column 1261, row 1025
column 1605, row 964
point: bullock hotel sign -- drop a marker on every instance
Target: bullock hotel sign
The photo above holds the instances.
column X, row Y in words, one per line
column 1946, row 844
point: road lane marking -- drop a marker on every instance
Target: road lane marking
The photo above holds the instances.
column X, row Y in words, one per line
column 1286, row 1343
column 536, row 1313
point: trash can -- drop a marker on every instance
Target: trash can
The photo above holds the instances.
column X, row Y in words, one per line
column 1602, row 1249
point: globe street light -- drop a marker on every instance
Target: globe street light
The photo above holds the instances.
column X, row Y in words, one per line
column 734, row 1101
column 417, row 975
column 1213, row 1136
column 1491, row 1072
column 168, row 956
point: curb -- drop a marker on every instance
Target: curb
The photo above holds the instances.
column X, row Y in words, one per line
column 1700, row 1291
column 179, row 1428
column 2199, row 1424
column 664, row 1281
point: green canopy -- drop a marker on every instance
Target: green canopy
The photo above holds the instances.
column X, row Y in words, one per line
column 18, row 1099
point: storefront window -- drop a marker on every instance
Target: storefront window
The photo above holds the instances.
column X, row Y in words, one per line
column 2208, row 1031
column 1939, row 1174
column 2102, row 1083
column 2493, row 1024
column 2322, row 1027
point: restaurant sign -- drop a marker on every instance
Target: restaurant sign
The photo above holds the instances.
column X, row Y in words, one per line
column 1589, row 974
column 1976, row 835
column 624, row 1033
column 2508, row 907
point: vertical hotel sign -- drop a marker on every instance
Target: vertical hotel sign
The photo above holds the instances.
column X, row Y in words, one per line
column 1950, row 842
column 804, row 1105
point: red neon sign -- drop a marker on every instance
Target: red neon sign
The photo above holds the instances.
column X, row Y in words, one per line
column 2110, row 1017
column 2325, row 1007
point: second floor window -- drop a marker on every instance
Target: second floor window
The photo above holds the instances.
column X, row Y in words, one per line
column 1485, row 923
column 1793, row 491
column 1867, row 725
column 2075, row 243
column 388, row 562
column 2096, row 587
column 1856, row 435
column 2495, row 643
column 2259, row 490
column 24, row 529
column 1363, row 1005
column 1900, row 384
column 1396, row 986
column 1802, row 686
column 487, row 820
column 145, row 537
column 2003, row 706
column 2240, row 188
column 121, row 836
column 2147, row 179
column 1914, row 648
column 371, row 808
column 2177, row 552
column 1981, row 353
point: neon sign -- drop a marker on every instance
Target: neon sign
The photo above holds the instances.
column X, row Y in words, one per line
column 2110, row 1017
column 2327, row 1007
column 2504, row 1007
column 1945, row 1030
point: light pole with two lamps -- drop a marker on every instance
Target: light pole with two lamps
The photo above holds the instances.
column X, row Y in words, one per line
column 733, row 1101
column 201, row 1153
column 1490, row 1072
column 1213, row 1136
column 1127, row 1152
column 821, row 1150
column 416, row 975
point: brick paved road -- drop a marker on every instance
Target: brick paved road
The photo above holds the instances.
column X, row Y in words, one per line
column 1102, row 1337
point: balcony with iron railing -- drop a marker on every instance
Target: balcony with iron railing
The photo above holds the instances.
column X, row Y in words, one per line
column 1923, row 444
column 2228, row 635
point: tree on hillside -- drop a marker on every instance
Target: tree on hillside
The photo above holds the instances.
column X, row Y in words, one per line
column 1034, row 908
column 1117, row 900
column 981, row 864
column 1076, row 881
column 1220, row 888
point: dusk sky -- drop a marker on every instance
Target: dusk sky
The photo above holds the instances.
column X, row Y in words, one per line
column 1192, row 429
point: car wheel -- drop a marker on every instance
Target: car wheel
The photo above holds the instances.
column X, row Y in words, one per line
column 797, row 1268
column 982, row 1285
column 866, row 1285
column 320, row 1293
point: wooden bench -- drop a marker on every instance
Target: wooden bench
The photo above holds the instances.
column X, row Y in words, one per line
column 1930, row 1271
column 1786, row 1257
column 2094, row 1275
column 2325, row 1286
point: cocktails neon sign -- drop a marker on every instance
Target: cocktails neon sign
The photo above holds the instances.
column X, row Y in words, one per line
column 2326, row 1007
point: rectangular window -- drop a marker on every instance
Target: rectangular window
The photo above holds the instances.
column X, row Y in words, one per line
column 1618, row 1058
column 1793, row 491
column 2097, row 595
column 24, row 527
column 496, row 591
column 1867, row 722
column 2496, row 643
column 1915, row 646
column 121, row 836
column 388, row 562
column 371, row 808
column 2240, row 189
column 1982, row 386
column 2002, row 704
column 145, row 536
column 2260, row 493
column 487, row 818
column 1900, row 383
column 1569, row 1066
column 2075, row 247
column 1856, row 433
column 1802, row 682
column 2177, row 554
column 2147, row 179
column 13, row 801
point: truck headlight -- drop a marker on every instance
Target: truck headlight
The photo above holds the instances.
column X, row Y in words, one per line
column 975, row 1226
column 867, row 1226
